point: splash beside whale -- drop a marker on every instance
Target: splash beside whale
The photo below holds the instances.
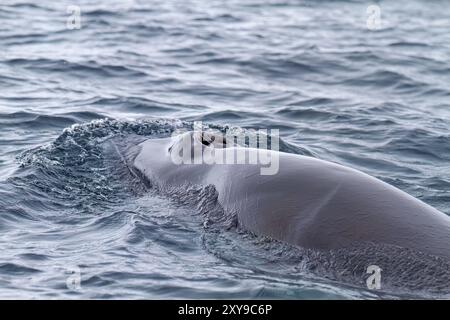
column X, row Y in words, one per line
column 309, row 202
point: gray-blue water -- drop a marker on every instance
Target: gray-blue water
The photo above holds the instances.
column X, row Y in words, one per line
column 375, row 100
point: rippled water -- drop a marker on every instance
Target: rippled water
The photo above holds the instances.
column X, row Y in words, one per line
column 378, row 101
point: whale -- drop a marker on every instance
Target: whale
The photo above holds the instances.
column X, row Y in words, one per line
column 308, row 202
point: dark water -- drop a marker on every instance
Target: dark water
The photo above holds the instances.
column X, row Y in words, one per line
column 376, row 100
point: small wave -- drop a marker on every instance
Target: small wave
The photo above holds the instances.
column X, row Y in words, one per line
column 306, row 113
column 16, row 269
column 420, row 144
column 75, row 68
column 408, row 44
column 30, row 120
column 101, row 13
column 225, row 115
column 387, row 79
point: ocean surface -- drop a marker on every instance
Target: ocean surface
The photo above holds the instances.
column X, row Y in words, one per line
column 375, row 99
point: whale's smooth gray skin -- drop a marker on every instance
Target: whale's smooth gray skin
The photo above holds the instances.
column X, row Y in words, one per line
column 310, row 202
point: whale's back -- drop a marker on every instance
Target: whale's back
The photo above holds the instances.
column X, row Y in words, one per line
column 318, row 204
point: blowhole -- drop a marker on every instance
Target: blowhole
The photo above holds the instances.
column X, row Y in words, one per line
column 210, row 138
